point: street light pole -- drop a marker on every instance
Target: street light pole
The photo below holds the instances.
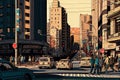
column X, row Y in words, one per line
column 16, row 29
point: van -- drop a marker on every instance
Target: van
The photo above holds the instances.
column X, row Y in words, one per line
column 46, row 62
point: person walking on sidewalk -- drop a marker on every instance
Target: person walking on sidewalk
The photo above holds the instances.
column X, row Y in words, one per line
column 106, row 64
column 92, row 61
column 100, row 64
column 119, row 63
column 111, row 61
column 96, row 69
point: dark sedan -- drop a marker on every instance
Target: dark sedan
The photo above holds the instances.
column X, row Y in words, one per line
column 9, row 72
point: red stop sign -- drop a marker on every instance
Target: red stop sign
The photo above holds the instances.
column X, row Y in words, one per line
column 14, row 45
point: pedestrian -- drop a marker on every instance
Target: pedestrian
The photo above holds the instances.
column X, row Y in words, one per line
column 11, row 59
column 21, row 59
column 106, row 64
column 96, row 66
column 100, row 64
column 92, row 61
column 119, row 63
column 111, row 62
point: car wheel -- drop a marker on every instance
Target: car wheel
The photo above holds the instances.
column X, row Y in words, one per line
column 27, row 77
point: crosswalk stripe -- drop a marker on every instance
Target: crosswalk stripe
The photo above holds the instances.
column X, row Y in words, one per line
column 86, row 75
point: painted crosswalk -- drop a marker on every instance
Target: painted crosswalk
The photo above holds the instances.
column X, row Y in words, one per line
column 87, row 75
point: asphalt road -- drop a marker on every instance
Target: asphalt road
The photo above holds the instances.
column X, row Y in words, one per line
column 54, row 74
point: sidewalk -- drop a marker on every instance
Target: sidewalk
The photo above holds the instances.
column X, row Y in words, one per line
column 28, row 65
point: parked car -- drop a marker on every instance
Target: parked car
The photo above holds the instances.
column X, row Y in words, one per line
column 85, row 62
column 9, row 72
column 64, row 64
column 46, row 62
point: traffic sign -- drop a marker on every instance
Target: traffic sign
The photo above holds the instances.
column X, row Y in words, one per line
column 102, row 50
column 18, row 11
column 14, row 45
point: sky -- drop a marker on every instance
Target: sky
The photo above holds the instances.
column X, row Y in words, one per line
column 73, row 8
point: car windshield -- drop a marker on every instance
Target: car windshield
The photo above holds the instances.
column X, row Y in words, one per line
column 64, row 60
column 43, row 59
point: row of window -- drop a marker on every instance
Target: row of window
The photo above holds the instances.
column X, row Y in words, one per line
column 55, row 22
column 8, row 30
column 56, row 18
column 8, row 6
column 56, row 10
column 55, row 14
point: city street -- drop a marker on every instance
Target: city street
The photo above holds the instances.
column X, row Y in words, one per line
column 74, row 73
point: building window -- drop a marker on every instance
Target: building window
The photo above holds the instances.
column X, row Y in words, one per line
column 1, row 14
column 1, row 30
column 27, row 0
column 117, row 24
column 13, row 29
column 27, row 30
column 21, row 4
column 27, row 7
column 8, row 30
column 27, row 14
column 27, row 21
column 8, row 5
column 27, row 37
column 1, row 6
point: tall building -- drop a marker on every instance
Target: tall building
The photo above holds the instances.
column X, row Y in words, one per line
column 32, row 22
column 76, row 33
column 59, row 29
column 40, row 20
column 7, row 20
column 102, row 11
column 85, row 30
column 114, row 33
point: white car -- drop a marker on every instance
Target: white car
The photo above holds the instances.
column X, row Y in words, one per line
column 10, row 72
column 46, row 62
column 64, row 64
column 85, row 62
